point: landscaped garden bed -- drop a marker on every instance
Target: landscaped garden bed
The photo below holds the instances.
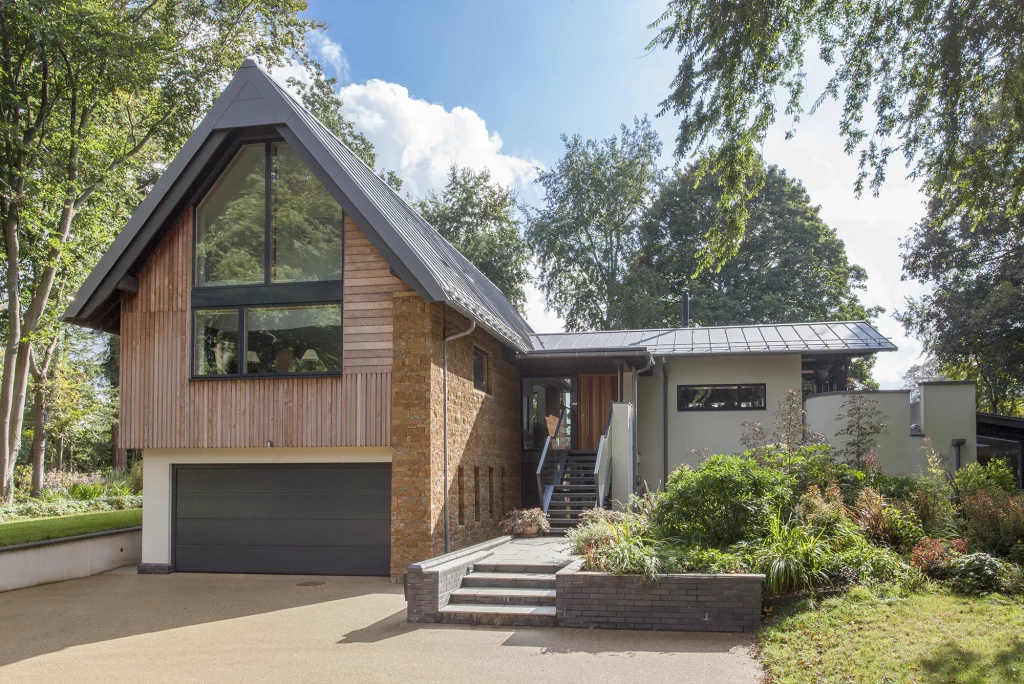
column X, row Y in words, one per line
column 66, row 494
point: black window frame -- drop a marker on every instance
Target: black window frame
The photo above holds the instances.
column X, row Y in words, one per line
column 759, row 385
column 267, row 294
column 487, row 370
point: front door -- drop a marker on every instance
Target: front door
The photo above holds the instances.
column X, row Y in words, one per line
column 595, row 394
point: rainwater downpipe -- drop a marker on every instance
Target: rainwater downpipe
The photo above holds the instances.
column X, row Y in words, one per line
column 664, row 421
column 444, row 435
column 634, row 428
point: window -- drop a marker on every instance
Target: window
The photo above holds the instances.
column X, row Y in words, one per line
column 720, row 397
column 462, row 492
column 267, row 220
column 268, row 244
column 480, row 379
column 476, row 494
column 490, row 493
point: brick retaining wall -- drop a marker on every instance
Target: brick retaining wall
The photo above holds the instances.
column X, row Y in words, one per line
column 428, row 585
column 690, row 602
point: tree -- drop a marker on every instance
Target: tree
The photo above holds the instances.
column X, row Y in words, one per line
column 972, row 321
column 941, row 80
column 479, row 217
column 862, row 423
column 791, row 266
column 94, row 98
column 586, row 234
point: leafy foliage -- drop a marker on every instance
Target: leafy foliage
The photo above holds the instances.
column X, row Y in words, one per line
column 517, row 521
column 934, row 557
column 791, row 557
column 862, row 422
column 479, row 217
column 585, row 234
column 726, row 500
column 995, row 474
column 976, row 572
column 994, row 519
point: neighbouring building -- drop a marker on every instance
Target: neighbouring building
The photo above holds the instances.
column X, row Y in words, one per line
column 319, row 383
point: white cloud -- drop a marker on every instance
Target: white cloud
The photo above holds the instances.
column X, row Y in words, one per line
column 330, row 52
column 420, row 140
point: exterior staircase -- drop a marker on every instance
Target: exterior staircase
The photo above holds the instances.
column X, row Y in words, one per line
column 574, row 491
column 497, row 593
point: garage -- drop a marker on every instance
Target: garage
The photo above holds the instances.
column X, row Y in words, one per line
column 316, row 519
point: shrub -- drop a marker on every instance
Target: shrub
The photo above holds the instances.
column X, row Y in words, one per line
column 897, row 487
column 1016, row 553
column 791, row 557
column 135, row 477
column 823, row 512
column 699, row 559
column 588, row 535
column 61, row 506
column 934, row 557
column 728, row 499
column 994, row 520
column 520, row 519
column 995, row 474
column 627, row 550
column 1012, row 580
column 976, row 572
column 86, row 492
column 886, row 524
column 601, row 514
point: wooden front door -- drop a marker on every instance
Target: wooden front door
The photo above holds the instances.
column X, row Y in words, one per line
column 595, row 394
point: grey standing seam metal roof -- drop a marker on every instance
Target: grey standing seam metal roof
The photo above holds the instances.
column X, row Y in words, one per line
column 420, row 256
column 844, row 337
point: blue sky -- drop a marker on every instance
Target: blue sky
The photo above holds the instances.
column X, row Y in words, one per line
column 493, row 84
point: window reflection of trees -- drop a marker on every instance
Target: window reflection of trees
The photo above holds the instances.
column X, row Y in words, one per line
column 217, row 337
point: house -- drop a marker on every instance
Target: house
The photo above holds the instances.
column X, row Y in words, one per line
column 319, row 383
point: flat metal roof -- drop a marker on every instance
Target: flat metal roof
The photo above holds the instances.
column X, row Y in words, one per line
column 853, row 338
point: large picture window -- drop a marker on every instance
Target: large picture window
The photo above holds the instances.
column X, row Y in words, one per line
column 275, row 340
column 721, row 397
column 267, row 220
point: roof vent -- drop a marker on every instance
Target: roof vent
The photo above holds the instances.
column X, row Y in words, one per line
column 686, row 309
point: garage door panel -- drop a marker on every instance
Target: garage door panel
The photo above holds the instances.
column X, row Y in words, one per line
column 287, row 506
column 318, row 560
column 364, row 478
column 282, row 532
column 286, row 519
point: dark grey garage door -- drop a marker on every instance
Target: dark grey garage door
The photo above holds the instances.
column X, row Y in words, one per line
column 329, row 519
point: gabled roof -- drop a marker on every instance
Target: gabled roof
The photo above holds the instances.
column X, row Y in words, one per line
column 854, row 338
column 414, row 250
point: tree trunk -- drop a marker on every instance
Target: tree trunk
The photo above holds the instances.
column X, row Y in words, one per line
column 60, row 453
column 38, row 439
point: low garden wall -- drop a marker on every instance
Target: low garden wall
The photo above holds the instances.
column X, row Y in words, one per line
column 429, row 584
column 690, row 602
column 56, row 560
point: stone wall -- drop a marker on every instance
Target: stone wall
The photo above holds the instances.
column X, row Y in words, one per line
column 483, row 434
column 695, row 603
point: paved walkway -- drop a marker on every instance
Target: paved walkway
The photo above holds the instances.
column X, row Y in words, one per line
column 263, row 628
column 538, row 550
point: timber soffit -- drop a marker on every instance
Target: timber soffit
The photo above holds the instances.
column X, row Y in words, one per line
column 415, row 251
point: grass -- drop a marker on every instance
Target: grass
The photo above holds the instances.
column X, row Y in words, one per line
column 863, row 636
column 25, row 531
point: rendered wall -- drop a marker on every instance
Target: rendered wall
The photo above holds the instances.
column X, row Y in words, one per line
column 718, row 431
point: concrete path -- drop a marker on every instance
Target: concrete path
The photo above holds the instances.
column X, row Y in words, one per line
column 122, row 627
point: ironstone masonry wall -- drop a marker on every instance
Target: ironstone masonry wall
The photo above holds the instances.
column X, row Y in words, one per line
column 483, row 434
column 695, row 603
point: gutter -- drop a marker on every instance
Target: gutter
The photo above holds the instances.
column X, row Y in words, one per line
column 444, row 437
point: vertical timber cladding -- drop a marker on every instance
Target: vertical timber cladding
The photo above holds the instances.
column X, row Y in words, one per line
column 161, row 408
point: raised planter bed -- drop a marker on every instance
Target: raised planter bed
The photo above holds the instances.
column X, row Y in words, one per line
column 684, row 602
column 56, row 560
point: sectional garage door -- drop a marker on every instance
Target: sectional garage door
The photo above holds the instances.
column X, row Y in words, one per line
column 322, row 519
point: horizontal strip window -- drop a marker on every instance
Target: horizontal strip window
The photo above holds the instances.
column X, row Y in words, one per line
column 267, row 341
column 721, row 397
column 291, row 293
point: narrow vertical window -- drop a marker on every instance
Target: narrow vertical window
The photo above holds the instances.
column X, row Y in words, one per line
column 501, row 489
column 476, row 494
column 480, row 371
column 490, row 493
column 461, row 499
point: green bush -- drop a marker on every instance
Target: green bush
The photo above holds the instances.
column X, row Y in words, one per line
column 628, row 550
column 699, row 559
column 994, row 520
column 87, row 492
column 976, row 572
column 1016, row 553
column 1012, row 580
column 726, row 500
column 135, row 477
column 973, row 477
column 791, row 557
column 587, row 536
column 61, row 506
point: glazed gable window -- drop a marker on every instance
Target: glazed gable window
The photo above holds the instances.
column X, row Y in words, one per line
column 267, row 293
column 267, row 220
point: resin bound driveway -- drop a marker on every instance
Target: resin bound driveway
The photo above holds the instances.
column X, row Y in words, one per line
column 122, row 627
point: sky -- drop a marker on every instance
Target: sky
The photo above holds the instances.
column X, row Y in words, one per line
column 495, row 84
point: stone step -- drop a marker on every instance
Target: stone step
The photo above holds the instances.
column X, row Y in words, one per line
column 518, row 568
column 524, row 580
column 482, row 614
column 503, row 596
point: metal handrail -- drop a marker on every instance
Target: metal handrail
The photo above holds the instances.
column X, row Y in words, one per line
column 544, row 491
column 599, row 485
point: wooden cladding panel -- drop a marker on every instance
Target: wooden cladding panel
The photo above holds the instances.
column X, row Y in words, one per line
column 162, row 408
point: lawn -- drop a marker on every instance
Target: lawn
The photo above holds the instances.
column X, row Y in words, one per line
column 863, row 636
column 67, row 526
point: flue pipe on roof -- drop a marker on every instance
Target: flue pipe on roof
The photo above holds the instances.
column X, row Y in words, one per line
column 686, row 309
column 444, row 435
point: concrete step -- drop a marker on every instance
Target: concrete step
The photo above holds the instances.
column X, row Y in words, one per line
column 482, row 614
column 503, row 596
column 523, row 580
column 518, row 568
